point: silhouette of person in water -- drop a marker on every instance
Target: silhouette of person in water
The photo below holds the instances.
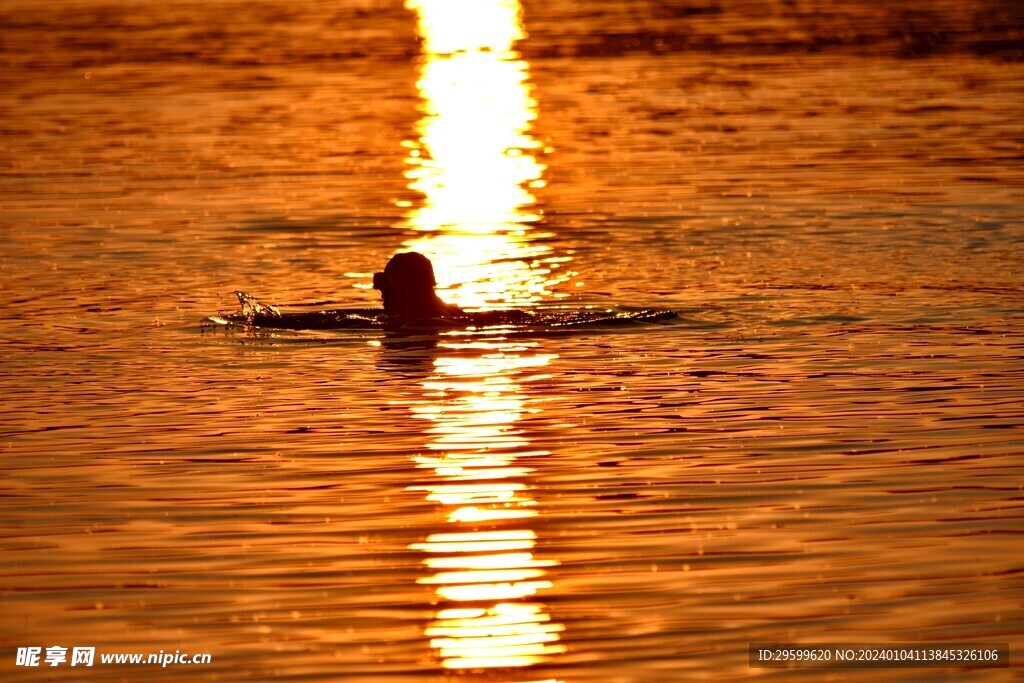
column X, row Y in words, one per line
column 406, row 287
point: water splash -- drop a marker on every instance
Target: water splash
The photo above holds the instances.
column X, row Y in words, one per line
column 254, row 313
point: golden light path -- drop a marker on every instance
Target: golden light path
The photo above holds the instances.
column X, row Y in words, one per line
column 484, row 569
column 475, row 163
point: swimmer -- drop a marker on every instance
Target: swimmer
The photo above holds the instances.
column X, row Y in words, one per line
column 411, row 304
column 406, row 288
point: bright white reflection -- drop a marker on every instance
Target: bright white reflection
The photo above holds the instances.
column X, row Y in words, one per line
column 448, row 26
column 475, row 161
column 485, row 571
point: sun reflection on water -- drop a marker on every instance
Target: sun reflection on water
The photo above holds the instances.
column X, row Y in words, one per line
column 475, row 161
column 486, row 574
column 476, row 165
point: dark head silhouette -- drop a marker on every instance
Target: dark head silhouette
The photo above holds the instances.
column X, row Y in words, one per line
column 410, row 304
column 407, row 288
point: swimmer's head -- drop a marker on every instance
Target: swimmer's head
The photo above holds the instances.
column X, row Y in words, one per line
column 407, row 286
column 407, row 270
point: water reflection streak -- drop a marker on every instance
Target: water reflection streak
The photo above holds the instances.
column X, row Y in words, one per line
column 475, row 163
column 488, row 568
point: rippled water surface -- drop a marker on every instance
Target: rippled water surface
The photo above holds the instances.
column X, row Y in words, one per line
column 826, row 446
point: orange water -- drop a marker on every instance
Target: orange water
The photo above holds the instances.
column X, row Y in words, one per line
column 826, row 448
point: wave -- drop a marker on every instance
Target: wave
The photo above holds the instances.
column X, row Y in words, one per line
column 255, row 314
